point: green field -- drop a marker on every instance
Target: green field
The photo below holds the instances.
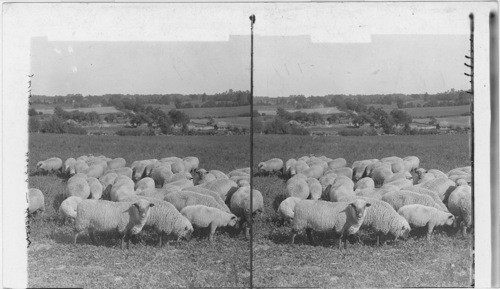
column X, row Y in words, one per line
column 445, row 260
column 444, row 111
column 53, row 261
column 221, row 112
column 99, row 110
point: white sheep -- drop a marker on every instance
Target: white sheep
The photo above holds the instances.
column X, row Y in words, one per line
column 51, row 165
column 364, row 183
column 442, row 186
column 271, row 166
column 78, row 167
column 219, row 175
column 343, row 218
column 383, row 219
column 182, row 183
column 421, row 216
column 122, row 188
column 67, row 209
column 314, row 171
column 359, row 168
column 68, row 164
column 326, row 182
column 36, row 201
column 105, row 216
column 381, row 173
column 430, row 193
column 170, row 159
column 315, row 189
column 288, row 166
column 341, row 187
column 460, row 205
column 411, row 163
column 161, row 174
column 344, row 171
column 224, row 187
column 78, row 186
column 297, row 187
column 123, row 171
column 402, row 198
column 138, row 168
column 190, row 163
column 337, row 163
column 144, row 186
column 240, row 206
column 299, row 167
column 116, row 163
column 181, row 199
column 215, row 195
column 286, row 208
column 203, row 217
column 203, row 176
column 95, row 188
column 239, row 172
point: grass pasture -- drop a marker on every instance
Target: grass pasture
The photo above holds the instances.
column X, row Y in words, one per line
column 220, row 112
column 53, row 261
column 444, row 261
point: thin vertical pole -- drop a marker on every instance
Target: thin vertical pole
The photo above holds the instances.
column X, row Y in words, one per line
column 252, row 21
column 471, row 92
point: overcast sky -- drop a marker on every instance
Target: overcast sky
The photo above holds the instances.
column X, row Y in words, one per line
column 299, row 49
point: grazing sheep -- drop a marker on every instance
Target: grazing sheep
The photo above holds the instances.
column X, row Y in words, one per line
column 402, row 198
column 239, row 172
column 240, row 206
column 67, row 209
column 381, row 173
column 68, row 165
column 144, row 186
column 288, row 166
column 36, row 201
column 183, row 199
column 190, row 163
column 219, row 175
column 124, row 171
column 122, row 188
column 430, row 193
column 299, row 167
column 138, row 168
column 161, row 174
column 170, row 159
column 383, row 219
column 203, row 217
column 107, row 182
column 337, row 163
column 399, row 183
column 297, row 187
column 215, row 195
column 224, row 187
column 359, row 168
column 460, row 205
column 183, row 183
column 78, row 167
column 116, row 163
column 52, row 165
column 177, row 166
column 95, row 188
column 421, row 216
column 78, row 186
column 344, row 171
column 83, row 158
column 202, row 176
column 317, row 162
column 270, row 166
column 442, row 186
column 457, row 177
column 97, row 215
column 165, row 219
column 326, row 181
column 341, row 187
column 460, row 171
column 343, row 218
column 411, row 163
column 315, row 189
column 286, row 208
column 364, row 183
column 314, row 171
column 94, row 171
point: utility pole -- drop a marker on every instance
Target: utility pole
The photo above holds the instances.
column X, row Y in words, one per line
column 252, row 22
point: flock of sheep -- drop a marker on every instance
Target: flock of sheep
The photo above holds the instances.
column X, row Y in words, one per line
column 173, row 196
column 390, row 196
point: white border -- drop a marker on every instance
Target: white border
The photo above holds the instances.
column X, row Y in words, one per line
column 22, row 21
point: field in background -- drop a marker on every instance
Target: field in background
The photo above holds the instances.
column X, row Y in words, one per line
column 445, row 260
column 53, row 261
column 323, row 110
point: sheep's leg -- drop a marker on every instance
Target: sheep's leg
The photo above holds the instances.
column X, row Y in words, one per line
column 309, row 235
column 344, row 238
column 76, row 237
column 378, row 239
column 340, row 240
column 430, row 228
column 464, row 229
column 294, row 233
column 213, row 227
column 92, row 237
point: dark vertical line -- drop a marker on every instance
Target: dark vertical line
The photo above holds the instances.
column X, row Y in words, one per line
column 494, row 169
column 252, row 21
column 471, row 16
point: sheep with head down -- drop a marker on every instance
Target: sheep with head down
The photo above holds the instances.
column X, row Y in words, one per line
column 286, row 209
column 245, row 206
column 342, row 218
column 420, row 216
column 51, row 165
column 460, row 205
column 203, row 217
column 297, row 187
column 271, row 166
column 36, row 201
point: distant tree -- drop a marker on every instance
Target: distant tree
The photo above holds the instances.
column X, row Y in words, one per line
column 401, row 117
column 33, row 125
column 399, row 102
column 178, row 103
column 32, row 112
column 178, row 117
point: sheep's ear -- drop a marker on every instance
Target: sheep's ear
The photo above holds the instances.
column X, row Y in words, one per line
column 450, row 217
column 234, row 217
column 352, row 205
column 137, row 206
